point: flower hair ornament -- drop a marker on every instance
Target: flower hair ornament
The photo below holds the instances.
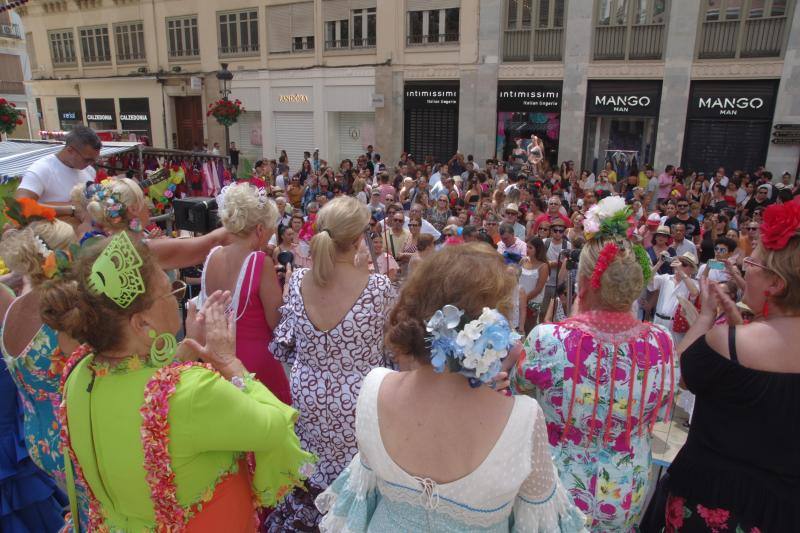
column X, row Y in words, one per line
column 113, row 207
column 23, row 211
column 474, row 349
column 115, row 273
column 612, row 219
column 55, row 263
column 781, row 223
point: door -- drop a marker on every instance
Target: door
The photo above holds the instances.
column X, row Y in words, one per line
column 739, row 145
column 432, row 132
column 189, row 119
column 294, row 132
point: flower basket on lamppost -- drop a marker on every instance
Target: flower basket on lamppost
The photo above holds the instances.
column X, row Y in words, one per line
column 10, row 117
column 225, row 111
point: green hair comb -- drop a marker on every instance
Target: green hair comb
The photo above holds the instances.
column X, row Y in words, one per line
column 116, row 272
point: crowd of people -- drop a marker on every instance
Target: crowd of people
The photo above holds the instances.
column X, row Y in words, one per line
column 449, row 346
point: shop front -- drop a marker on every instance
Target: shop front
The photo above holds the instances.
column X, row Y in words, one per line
column 70, row 113
column 728, row 124
column 350, row 119
column 101, row 115
column 621, row 124
column 134, row 119
column 431, row 120
column 525, row 109
column 293, row 122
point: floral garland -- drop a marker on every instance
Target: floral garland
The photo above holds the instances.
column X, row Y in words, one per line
column 644, row 261
column 609, row 218
column 607, row 256
column 781, row 223
column 170, row 514
column 112, row 204
column 96, row 521
column 225, row 111
column 476, row 350
column 10, row 116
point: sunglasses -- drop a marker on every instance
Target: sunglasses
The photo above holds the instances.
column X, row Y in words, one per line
column 720, row 250
column 413, row 225
column 398, row 220
column 683, row 205
column 178, row 290
column 752, row 228
column 557, row 230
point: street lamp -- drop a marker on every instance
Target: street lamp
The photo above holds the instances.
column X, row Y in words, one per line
column 225, row 76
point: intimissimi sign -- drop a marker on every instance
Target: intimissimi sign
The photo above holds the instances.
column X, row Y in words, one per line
column 533, row 97
column 634, row 98
column 435, row 94
column 733, row 100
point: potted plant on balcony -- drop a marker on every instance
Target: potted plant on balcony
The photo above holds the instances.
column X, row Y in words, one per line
column 225, row 111
column 10, row 117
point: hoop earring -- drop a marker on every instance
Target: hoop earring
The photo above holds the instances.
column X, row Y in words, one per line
column 765, row 309
column 164, row 355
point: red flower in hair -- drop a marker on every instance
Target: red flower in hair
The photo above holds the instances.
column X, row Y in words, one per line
column 606, row 257
column 781, row 223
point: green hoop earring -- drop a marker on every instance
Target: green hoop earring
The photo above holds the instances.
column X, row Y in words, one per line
column 169, row 347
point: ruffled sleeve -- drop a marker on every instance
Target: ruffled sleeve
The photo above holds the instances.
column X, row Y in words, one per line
column 218, row 416
column 283, row 336
column 543, row 504
column 348, row 503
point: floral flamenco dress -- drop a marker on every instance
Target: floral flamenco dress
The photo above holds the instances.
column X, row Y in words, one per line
column 37, row 373
column 164, row 448
column 603, row 379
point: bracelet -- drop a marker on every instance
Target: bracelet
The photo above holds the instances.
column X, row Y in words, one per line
column 238, row 382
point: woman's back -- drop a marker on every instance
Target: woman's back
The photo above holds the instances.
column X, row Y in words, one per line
column 509, row 483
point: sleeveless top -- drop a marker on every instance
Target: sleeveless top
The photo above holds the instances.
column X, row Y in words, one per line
column 528, row 279
column 515, row 488
column 253, row 333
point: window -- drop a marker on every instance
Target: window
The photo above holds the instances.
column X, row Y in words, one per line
column 337, row 34
column 630, row 29
column 364, row 25
column 95, row 47
column 129, row 38
column 238, row 32
column 433, row 26
column 182, row 37
column 723, row 10
column 743, row 28
column 62, row 48
column 303, row 44
column 519, row 13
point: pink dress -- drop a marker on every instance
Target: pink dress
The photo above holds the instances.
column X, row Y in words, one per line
column 253, row 333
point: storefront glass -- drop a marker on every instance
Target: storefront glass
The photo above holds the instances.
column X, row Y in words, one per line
column 100, row 114
column 69, row 113
column 621, row 124
column 525, row 109
column 134, row 118
column 431, row 120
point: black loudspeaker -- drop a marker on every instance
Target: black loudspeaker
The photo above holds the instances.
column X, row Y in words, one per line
column 197, row 214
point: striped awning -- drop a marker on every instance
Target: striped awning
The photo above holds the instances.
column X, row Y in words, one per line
column 17, row 156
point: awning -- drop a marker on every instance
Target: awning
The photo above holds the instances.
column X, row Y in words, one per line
column 17, row 156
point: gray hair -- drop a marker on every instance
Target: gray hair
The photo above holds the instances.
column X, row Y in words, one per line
column 81, row 136
column 506, row 229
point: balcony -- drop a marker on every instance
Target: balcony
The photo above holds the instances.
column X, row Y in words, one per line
column 10, row 30
column 424, row 40
column 350, row 44
column 640, row 41
column 239, row 51
column 525, row 44
column 133, row 57
column 12, row 87
column 175, row 55
column 728, row 39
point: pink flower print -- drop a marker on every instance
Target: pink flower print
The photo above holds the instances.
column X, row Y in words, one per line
column 715, row 519
column 556, row 400
column 541, row 377
column 675, row 510
column 626, row 501
column 607, row 511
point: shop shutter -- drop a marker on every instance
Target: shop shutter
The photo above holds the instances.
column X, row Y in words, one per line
column 428, row 5
column 431, row 132
column 279, row 20
column 354, row 129
column 736, row 144
column 303, row 19
column 294, row 132
column 249, row 139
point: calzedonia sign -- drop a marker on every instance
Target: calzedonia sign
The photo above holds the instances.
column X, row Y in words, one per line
column 443, row 94
column 532, row 98
column 634, row 98
column 732, row 100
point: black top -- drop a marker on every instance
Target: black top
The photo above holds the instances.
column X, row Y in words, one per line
column 691, row 224
column 743, row 449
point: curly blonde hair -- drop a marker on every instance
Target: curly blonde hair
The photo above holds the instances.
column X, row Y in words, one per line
column 20, row 248
column 242, row 209
column 623, row 280
column 129, row 194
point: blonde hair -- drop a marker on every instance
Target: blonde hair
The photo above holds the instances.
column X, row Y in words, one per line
column 129, row 194
column 20, row 248
column 785, row 263
column 243, row 209
column 339, row 223
column 623, row 280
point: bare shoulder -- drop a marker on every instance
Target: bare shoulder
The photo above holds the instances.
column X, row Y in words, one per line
column 717, row 339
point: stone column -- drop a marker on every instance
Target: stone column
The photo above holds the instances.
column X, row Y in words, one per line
column 785, row 157
column 577, row 54
column 678, row 58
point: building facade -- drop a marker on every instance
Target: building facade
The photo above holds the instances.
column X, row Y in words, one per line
column 700, row 83
column 14, row 70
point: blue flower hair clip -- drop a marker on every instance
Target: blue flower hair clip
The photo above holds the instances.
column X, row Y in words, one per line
column 474, row 349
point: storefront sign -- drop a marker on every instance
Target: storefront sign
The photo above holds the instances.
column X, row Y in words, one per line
column 69, row 112
column 732, row 100
column 134, row 116
column 100, row 113
column 632, row 98
column 444, row 94
column 296, row 98
column 533, row 97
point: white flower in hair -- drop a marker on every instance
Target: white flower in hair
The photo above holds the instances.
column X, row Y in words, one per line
column 609, row 206
column 42, row 248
